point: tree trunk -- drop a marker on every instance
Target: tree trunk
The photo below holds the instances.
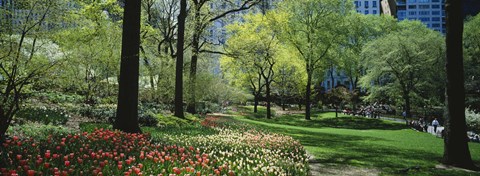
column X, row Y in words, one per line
column 255, row 105
column 406, row 98
column 354, row 96
column 307, row 96
column 336, row 111
column 193, row 62
column 3, row 123
column 456, row 151
column 331, row 78
column 179, row 62
column 267, row 96
column 193, row 80
column 127, row 109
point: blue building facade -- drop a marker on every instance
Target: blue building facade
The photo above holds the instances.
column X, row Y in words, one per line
column 429, row 12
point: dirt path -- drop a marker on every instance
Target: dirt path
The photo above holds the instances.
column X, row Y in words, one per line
column 317, row 168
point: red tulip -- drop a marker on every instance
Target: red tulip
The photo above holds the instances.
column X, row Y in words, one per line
column 30, row 172
column 67, row 163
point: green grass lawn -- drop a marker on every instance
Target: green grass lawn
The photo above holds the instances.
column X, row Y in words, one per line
column 363, row 142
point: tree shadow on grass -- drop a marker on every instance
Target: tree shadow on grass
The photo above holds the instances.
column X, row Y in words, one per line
column 320, row 120
column 364, row 151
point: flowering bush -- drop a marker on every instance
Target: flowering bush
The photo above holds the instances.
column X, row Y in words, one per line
column 473, row 120
column 43, row 114
column 104, row 152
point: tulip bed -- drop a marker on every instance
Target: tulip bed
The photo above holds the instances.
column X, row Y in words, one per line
column 227, row 151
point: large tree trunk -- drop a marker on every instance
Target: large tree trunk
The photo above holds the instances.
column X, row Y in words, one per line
column 127, row 109
column 179, row 62
column 307, row 96
column 267, row 96
column 456, row 151
column 255, row 104
column 193, row 62
column 192, row 86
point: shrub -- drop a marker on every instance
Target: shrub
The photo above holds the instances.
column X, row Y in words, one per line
column 473, row 120
column 171, row 121
column 43, row 114
column 37, row 131
column 148, row 119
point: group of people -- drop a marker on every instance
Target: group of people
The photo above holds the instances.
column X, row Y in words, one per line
column 422, row 125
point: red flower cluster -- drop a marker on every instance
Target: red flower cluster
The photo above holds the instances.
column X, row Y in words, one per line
column 103, row 152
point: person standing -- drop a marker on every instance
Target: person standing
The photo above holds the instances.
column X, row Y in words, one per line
column 435, row 125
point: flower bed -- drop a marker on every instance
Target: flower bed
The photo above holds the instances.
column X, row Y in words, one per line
column 104, row 152
column 220, row 149
column 246, row 150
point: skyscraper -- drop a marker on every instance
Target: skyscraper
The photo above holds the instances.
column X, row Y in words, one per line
column 429, row 12
column 368, row 6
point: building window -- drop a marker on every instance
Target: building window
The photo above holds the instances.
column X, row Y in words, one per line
column 412, row 13
column 435, row 6
column 412, row 1
column 356, row 4
column 436, row 19
column 424, row 6
column 436, row 25
column 424, row 13
column 435, row 0
column 423, row 1
column 366, row 4
column 412, row 6
column 374, row 12
column 366, row 12
column 374, row 4
column 435, row 12
column 424, row 19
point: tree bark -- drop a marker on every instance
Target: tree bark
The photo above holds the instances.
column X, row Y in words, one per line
column 179, row 63
column 456, row 151
column 267, row 97
column 406, row 98
column 127, row 109
column 255, row 104
column 193, row 81
column 193, row 63
column 307, row 96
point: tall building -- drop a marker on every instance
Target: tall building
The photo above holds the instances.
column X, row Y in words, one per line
column 429, row 12
column 368, row 6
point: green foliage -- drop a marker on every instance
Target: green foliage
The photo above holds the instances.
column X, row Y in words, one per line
column 471, row 43
column 43, row 114
column 405, row 62
column 338, row 96
column 58, row 98
column 37, row 131
column 262, row 111
column 172, row 121
column 473, row 120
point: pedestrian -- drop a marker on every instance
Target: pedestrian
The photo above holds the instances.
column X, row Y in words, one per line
column 435, row 125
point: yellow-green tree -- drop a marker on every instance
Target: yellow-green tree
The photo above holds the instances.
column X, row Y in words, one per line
column 254, row 48
column 314, row 28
